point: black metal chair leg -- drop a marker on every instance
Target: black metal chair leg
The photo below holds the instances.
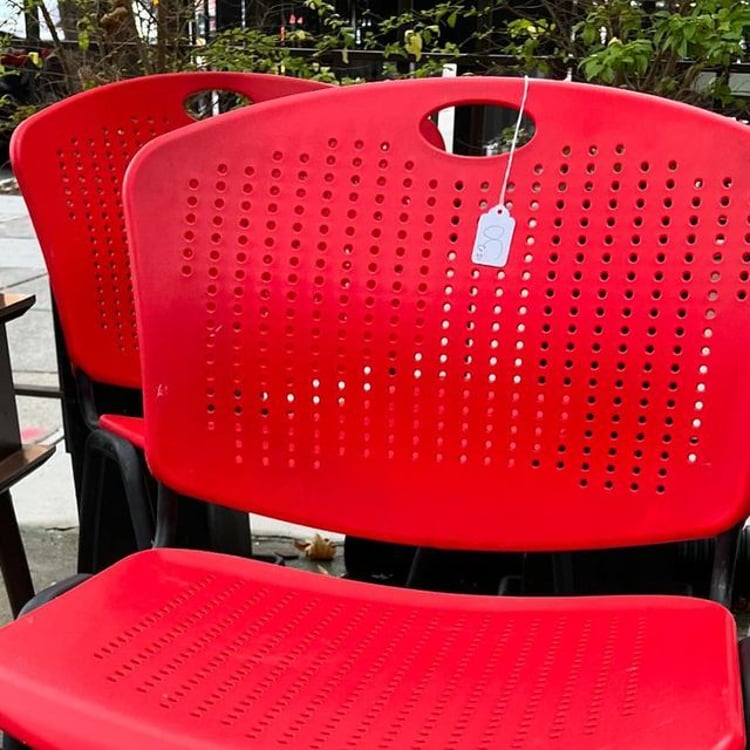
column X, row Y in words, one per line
column 384, row 562
column 725, row 559
column 230, row 531
column 107, row 523
column 212, row 527
column 13, row 563
column 74, row 426
column 191, row 524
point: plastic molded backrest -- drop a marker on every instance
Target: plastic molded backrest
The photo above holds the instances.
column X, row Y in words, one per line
column 318, row 344
column 70, row 160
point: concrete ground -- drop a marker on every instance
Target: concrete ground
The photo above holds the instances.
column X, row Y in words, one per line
column 45, row 501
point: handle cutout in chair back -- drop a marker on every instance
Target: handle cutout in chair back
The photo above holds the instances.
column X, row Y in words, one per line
column 210, row 102
column 482, row 129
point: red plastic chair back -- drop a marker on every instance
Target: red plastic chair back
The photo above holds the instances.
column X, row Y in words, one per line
column 69, row 160
column 318, row 344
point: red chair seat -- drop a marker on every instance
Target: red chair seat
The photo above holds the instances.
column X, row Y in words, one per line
column 129, row 428
column 197, row 650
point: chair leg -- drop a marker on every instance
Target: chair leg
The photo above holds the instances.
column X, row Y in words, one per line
column 205, row 526
column 230, row 531
column 110, row 529
column 369, row 560
column 89, row 508
column 725, row 559
column 13, row 563
column 188, row 523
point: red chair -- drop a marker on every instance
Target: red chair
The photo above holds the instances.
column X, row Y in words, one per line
column 70, row 159
column 317, row 343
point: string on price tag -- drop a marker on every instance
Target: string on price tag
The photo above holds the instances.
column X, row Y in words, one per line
column 496, row 226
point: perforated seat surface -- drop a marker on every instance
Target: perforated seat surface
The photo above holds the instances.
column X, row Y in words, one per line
column 199, row 650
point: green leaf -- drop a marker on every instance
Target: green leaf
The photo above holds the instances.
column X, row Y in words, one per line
column 589, row 34
column 413, row 43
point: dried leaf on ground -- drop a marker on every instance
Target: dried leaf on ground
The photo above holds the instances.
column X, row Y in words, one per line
column 317, row 548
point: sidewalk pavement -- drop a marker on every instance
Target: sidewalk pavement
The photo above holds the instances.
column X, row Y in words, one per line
column 45, row 501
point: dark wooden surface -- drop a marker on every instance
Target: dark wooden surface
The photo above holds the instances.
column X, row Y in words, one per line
column 10, row 433
column 11, row 306
column 13, row 564
column 22, row 462
column 16, row 461
column 14, row 305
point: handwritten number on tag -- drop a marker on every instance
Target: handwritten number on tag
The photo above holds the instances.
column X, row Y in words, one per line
column 494, row 237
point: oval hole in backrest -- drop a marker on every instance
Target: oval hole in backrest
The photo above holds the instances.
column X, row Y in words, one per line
column 204, row 104
column 480, row 129
column 431, row 133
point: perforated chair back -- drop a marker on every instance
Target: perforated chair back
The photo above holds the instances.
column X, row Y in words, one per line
column 318, row 344
column 70, row 160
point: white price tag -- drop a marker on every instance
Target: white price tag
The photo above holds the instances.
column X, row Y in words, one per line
column 493, row 238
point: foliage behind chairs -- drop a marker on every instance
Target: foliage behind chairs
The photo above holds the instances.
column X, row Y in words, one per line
column 28, row 80
column 683, row 51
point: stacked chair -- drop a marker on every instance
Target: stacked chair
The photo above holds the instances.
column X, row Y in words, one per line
column 318, row 344
column 70, row 160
